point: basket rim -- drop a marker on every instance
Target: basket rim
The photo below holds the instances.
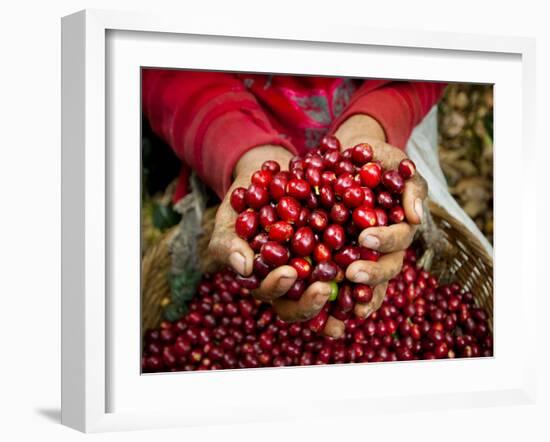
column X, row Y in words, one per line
column 441, row 212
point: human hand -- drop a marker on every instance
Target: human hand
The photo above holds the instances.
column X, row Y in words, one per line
column 392, row 240
column 230, row 249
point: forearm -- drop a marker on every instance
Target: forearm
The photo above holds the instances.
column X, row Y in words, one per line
column 397, row 106
column 356, row 129
column 210, row 120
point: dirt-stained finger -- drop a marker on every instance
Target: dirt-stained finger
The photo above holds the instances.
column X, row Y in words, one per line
column 388, row 239
column 334, row 328
column 414, row 195
column 276, row 283
column 389, row 156
column 311, row 302
column 374, row 273
column 364, row 310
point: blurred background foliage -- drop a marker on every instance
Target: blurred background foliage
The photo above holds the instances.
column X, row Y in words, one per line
column 159, row 170
column 466, row 149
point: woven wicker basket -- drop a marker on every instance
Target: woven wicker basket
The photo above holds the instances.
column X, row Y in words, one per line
column 465, row 260
column 155, row 287
column 459, row 257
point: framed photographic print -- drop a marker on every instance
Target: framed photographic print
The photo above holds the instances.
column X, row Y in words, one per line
column 251, row 213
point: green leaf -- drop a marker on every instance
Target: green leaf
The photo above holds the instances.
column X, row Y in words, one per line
column 184, row 286
column 173, row 312
column 164, row 217
column 183, row 295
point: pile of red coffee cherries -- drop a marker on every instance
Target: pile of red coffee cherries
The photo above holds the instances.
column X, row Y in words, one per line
column 310, row 217
column 226, row 328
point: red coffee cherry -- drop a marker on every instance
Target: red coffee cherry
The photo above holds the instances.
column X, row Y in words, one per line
column 261, row 178
column 334, row 236
column 303, row 267
column 303, row 242
column 280, row 231
column 393, row 181
column 298, row 188
column 271, row 166
column 353, row 197
column 396, row 214
column 256, row 196
column 364, row 217
column 361, row 154
column 362, row 293
column 407, row 168
column 247, row 224
column 288, row 209
column 277, row 187
column 238, row 200
column 329, row 143
column 371, row 174
column 318, row 220
column 275, row 254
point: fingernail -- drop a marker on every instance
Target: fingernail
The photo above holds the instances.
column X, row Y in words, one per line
column 237, row 261
column 418, row 209
column 371, row 242
column 361, row 277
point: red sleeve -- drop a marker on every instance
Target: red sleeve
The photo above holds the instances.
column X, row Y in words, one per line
column 397, row 106
column 208, row 118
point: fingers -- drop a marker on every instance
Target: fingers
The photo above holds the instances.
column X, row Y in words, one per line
column 373, row 273
column 364, row 310
column 334, row 328
column 311, row 302
column 276, row 283
column 389, row 238
column 388, row 155
column 225, row 246
column 416, row 190
column 240, row 259
column 228, row 248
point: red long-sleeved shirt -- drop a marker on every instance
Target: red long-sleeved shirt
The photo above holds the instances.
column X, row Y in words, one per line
column 210, row 119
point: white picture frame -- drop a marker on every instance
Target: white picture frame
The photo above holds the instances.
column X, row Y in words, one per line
column 102, row 389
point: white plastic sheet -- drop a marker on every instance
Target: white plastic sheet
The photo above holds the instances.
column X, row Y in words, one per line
column 422, row 148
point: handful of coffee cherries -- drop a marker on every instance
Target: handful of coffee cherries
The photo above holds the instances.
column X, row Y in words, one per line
column 310, row 218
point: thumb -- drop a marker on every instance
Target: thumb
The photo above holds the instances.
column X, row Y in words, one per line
column 334, row 328
column 226, row 247
column 416, row 190
column 241, row 257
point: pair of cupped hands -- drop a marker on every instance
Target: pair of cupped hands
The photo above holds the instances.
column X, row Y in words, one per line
column 391, row 241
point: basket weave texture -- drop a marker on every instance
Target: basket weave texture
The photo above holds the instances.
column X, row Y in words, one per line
column 155, row 285
column 467, row 261
column 463, row 259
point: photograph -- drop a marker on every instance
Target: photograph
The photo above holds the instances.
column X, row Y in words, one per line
column 297, row 220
